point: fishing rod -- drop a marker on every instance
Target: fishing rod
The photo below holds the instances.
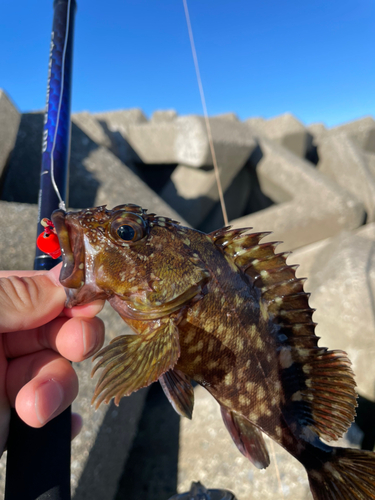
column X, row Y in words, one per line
column 38, row 461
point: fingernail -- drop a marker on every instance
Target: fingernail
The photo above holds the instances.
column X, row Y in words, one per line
column 48, row 399
column 90, row 339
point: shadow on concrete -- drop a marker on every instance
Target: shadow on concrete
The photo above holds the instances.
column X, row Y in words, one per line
column 111, row 450
column 151, row 469
column 365, row 420
column 20, row 182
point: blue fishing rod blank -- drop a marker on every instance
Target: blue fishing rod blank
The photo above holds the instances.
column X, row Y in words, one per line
column 38, row 461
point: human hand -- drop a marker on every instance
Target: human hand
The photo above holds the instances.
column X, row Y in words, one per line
column 37, row 338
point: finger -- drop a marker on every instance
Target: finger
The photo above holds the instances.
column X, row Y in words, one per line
column 87, row 310
column 41, row 386
column 74, row 338
column 55, row 271
column 30, row 301
column 21, row 273
column 77, row 424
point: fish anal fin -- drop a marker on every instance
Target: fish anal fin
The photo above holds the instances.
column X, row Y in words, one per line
column 179, row 391
column 131, row 362
column 248, row 438
column 347, row 475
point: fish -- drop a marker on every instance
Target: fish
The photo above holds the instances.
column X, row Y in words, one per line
column 226, row 311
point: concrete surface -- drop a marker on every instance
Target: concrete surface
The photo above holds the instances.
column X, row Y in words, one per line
column 341, row 160
column 116, row 124
column 310, row 206
column 317, row 129
column 163, row 115
column 9, row 122
column 184, row 140
column 92, row 128
column 285, row 130
column 361, row 131
column 208, row 454
column 341, row 279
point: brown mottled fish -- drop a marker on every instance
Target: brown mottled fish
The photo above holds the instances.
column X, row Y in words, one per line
column 226, row 311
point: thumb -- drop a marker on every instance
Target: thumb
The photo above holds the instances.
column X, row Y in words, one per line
column 29, row 301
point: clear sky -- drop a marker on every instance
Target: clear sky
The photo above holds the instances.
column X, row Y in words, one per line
column 313, row 58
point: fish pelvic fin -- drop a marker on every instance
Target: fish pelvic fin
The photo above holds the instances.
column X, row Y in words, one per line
column 348, row 475
column 179, row 391
column 248, row 438
column 131, row 362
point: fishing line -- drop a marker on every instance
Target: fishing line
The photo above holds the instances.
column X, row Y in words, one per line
column 61, row 201
column 277, row 469
column 208, row 127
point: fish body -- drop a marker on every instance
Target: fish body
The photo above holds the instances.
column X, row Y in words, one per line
column 225, row 310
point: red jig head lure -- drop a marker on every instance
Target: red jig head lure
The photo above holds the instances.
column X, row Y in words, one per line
column 48, row 241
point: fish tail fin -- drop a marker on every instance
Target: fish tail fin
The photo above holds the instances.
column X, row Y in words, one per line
column 348, row 475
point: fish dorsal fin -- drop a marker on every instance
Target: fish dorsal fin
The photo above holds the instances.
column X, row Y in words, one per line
column 319, row 387
column 179, row 391
column 248, row 438
column 131, row 362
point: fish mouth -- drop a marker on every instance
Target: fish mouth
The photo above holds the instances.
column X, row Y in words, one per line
column 72, row 273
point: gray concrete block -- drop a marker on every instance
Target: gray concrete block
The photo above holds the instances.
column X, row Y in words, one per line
column 17, row 235
column 121, row 119
column 184, row 140
column 227, row 116
column 256, row 123
column 311, row 206
column 92, row 128
column 370, row 162
column 97, row 176
column 116, row 125
column 342, row 161
column 317, row 129
column 163, row 115
column 25, row 161
column 235, row 198
column 341, row 272
column 9, row 122
column 193, row 192
column 361, row 131
column 208, row 454
column 287, row 131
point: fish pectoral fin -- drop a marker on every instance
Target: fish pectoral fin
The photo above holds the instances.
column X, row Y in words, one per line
column 131, row 362
column 179, row 391
column 248, row 438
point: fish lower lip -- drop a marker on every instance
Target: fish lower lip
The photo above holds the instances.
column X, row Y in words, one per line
column 71, row 275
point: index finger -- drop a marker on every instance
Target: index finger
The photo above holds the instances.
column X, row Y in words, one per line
column 28, row 301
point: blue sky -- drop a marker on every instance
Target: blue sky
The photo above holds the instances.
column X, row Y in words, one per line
column 314, row 58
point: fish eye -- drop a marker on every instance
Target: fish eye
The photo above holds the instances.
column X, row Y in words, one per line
column 126, row 232
column 127, row 227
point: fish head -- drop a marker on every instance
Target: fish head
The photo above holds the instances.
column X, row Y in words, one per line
column 125, row 252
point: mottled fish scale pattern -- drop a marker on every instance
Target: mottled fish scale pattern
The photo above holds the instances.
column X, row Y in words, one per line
column 227, row 311
column 310, row 376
